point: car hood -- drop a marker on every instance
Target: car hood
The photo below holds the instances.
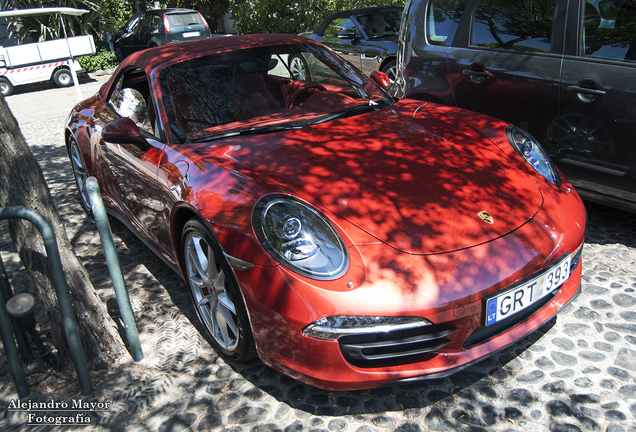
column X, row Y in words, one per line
column 412, row 175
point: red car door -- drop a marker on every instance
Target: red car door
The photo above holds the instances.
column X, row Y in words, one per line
column 133, row 161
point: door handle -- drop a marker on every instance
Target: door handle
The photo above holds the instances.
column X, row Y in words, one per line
column 579, row 89
column 477, row 74
column 585, row 95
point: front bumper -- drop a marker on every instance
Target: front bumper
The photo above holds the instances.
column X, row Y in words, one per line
column 446, row 289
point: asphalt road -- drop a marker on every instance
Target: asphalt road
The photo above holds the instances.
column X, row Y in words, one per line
column 577, row 373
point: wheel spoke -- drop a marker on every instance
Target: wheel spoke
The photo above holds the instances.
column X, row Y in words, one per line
column 222, row 327
column 198, row 259
column 225, row 301
column 211, row 272
column 207, row 299
column 227, row 321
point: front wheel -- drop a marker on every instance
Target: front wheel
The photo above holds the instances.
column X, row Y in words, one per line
column 63, row 78
column 5, row 87
column 215, row 293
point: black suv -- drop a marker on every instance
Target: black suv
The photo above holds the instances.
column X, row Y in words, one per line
column 565, row 70
column 160, row 27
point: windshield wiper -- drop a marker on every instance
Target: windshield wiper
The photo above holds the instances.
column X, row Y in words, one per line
column 246, row 131
column 359, row 109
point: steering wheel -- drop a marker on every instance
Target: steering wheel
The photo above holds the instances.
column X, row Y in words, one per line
column 289, row 104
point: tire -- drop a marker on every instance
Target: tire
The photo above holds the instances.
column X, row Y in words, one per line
column 215, row 294
column 80, row 173
column 390, row 70
column 6, row 89
column 63, row 78
column 299, row 68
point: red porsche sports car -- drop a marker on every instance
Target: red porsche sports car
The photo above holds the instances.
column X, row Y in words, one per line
column 346, row 238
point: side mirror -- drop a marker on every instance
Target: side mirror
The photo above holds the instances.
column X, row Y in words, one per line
column 123, row 131
column 347, row 34
column 381, row 79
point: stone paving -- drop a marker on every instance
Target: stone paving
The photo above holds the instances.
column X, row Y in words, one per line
column 577, row 373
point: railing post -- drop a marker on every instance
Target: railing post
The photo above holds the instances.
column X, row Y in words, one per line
column 12, row 351
column 61, row 288
column 20, row 337
column 114, row 268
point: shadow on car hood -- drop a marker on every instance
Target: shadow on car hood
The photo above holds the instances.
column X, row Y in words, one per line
column 414, row 177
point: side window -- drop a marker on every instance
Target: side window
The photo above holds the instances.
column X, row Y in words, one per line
column 380, row 24
column 144, row 24
column 442, row 18
column 157, row 24
column 277, row 67
column 131, row 97
column 609, row 30
column 524, row 25
column 339, row 24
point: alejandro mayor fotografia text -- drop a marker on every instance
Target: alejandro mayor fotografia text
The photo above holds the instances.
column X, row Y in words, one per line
column 54, row 412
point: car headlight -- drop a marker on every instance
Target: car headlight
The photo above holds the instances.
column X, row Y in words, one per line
column 530, row 149
column 333, row 327
column 300, row 237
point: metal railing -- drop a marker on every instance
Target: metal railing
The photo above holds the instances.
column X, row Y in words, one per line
column 7, row 322
column 106, row 235
column 63, row 297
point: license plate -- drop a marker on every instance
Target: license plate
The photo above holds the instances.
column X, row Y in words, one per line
column 190, row 34
column 514, row 300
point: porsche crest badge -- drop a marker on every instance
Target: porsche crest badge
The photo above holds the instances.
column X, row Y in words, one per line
column 485, row 216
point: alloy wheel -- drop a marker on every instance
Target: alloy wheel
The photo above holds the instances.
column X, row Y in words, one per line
column 80, row 173
column 207, row 280
column 579, row 135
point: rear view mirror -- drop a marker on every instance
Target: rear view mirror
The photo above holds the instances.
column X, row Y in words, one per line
column 122, row 131
column 381, row 79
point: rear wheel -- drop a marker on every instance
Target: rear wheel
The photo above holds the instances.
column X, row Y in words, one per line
column 215, row 293
column 5, row 87
column 63, row 78
column 80, row 173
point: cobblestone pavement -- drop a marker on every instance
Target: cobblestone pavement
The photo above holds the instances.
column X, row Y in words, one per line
column 577, row 373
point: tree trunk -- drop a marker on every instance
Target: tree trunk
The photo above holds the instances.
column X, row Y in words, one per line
column 22, row 184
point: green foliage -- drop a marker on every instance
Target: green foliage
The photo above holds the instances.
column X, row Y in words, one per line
column 117, row 12
column 104, row 59
column 285, row 16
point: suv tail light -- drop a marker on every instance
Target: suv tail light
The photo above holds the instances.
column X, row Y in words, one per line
column 204, row 21
column 166, row 24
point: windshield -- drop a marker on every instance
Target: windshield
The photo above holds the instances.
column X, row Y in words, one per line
column 292, row 85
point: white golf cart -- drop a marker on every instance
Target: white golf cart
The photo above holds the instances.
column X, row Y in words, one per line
column 43, row 61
